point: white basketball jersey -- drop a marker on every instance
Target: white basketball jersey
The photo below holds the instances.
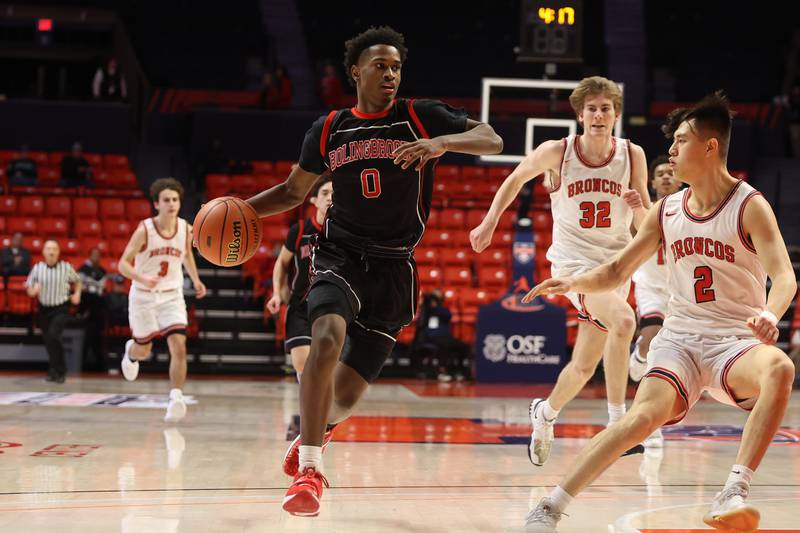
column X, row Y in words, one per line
column 716, row 281
column 653, row 273
column 591, row 221
column 162, row 256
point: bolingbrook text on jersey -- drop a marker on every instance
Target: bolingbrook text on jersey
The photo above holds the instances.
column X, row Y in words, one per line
column 585, row 186
column 166, row 250
column 366, row 149
column 702, row 246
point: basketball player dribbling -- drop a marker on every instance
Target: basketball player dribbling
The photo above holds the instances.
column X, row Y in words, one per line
column 597, row 182
column 295, row 255
column 153, row 260
column 720, row 240
column 381, row 155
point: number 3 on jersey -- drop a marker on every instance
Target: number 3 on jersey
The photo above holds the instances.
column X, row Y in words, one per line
column 595, row 215
column 370, row 183
column 164, row 268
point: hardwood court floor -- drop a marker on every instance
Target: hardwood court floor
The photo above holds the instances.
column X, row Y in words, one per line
column 417, row 458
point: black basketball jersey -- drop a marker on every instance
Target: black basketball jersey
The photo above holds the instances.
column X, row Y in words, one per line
column 298, row 241
column 374, row 199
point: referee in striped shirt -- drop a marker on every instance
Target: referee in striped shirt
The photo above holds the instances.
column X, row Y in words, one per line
column 56, row 284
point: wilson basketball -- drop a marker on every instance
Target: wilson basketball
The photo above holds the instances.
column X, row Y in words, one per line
column 227, row 231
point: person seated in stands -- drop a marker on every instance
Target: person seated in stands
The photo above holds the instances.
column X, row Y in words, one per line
column 435, row 344
column 331, row 88
column 22, row 170
column 109, row 84
column 285, row 90
column 93, row 279
column 75, row 169
column 16, row 260
column 116, row 302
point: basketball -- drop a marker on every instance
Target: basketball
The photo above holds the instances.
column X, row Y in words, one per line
column 227, row 231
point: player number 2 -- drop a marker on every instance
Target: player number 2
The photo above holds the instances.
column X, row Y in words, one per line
column 370, row 183
column 164, row 267
column 703, row 279
column 596, row 215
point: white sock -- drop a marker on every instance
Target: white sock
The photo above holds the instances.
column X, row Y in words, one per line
column 560, row 498
column 615, row 412
column 637, row 354
column 311, row 456
column 740, row 474
column 176, row 394
column 548, row 412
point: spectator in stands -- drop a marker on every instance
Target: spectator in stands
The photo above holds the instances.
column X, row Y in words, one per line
column 55, row 283
column 22, row 170
column 435, row 344
column 75, row 169
column 116, row 302
column 16, row 259
column 331, row 88
column 285, row 90
column 269, row 91
column 109, row 84
column 93, row 279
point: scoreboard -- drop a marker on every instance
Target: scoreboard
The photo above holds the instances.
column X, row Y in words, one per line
column 551, row 32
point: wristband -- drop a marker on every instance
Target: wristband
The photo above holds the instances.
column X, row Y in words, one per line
column 770, row 316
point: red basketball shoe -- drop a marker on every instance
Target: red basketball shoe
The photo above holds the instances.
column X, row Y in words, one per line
column 302, row 498
column 291, row 461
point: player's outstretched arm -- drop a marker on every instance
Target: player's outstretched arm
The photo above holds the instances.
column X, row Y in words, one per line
column 477, row 139
column 280, row 278
column 125, row 265
column 191, row 265
column 612, row 274
column 759, row 223
column 545, row 157
column 286, row 195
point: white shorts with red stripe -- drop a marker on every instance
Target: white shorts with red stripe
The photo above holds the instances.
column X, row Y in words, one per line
column 578, row 299
column 650, row 302
column 155, row 314
column 694, row 363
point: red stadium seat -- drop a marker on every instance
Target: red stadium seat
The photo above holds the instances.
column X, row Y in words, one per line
column 433, row 219
column 452, row 219
column 111, row 209
column 8, row 205
column 473, row 173
column 54, row 158
column 458, row 257
column 495, row 257
column 18, row 301
column 116, row 161
column 472, row 300
column 457, row 276
column 430, row 277
column 244, row 184
column 40, row 157
column 502, row 239
column 217, row 185
column 262, row 167
column 25, row 225
column 102, row 179
column 94, row 160
column 498, row 174
column 117, row 246
column 448, row 172
column 475, row 217
column 54, row 226
column 88, row 228
column 87, row 243
column 447, row 238
column 86, row 208
column 138, row 209
column 48, row 176
column 283, row 168
column 275, row 233
column 32, row 206
column 70, row 246
column 2, row 296
column 542, row 221
column 58, row 206
column 117, row 229
column 2, row 225
column 493, row 277
column 33, row 243
column 426, row 256
column 124, row 179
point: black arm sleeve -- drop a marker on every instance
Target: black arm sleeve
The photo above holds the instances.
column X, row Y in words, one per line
column 311, row 159
column 439, row 118
column 291, row 238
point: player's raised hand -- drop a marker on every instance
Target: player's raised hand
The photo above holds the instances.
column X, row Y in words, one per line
column 199, row 290
column 274, row 303
column 633, row 198
column 481, row 236
column 763, row 328
column 549, row 286
column 423, row 150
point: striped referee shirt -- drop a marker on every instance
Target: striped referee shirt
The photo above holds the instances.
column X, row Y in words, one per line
column 55, row 282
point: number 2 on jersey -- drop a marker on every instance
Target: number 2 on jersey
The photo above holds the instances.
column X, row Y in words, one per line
column 164, row 267
column 703, row 279
column 370, row 183
column 596, row 215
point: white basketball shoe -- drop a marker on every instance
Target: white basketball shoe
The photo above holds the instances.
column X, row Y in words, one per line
column 130, row 368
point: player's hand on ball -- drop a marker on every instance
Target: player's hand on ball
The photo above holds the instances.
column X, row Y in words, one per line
column 274, row 303
column 633, row 198
column 481, row 236
column 423, row 150
column 763, row 329
column 549, row 286
column 199, row 290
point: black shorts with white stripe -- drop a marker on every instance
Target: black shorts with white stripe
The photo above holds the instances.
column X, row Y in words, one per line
column 298, row 328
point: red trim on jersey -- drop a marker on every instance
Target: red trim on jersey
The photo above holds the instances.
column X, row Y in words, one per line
column 630, row 159
column 577, row 144
column 159, row 333
column 714, row 213
column 323, row 140
column 144, row 246
column 370, row 116
column 724, row 378
column 560, row 168
column 661, row 224
column 415, row 118
column 746, row 241
column 177, row 227
column 315, row 224
column 673, row 379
